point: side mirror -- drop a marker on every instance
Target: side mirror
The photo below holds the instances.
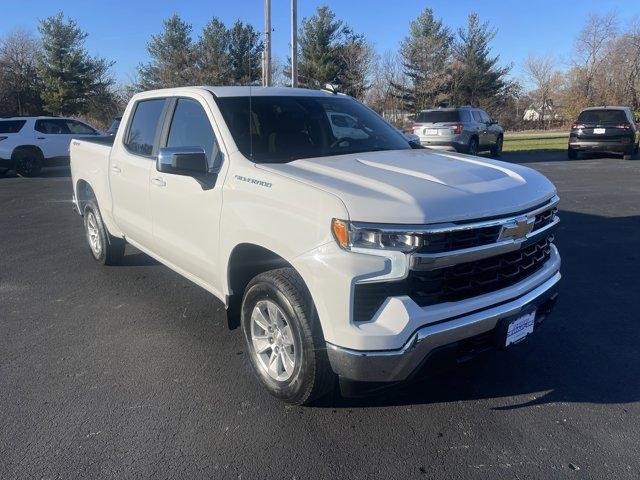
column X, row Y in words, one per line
column 189, row 161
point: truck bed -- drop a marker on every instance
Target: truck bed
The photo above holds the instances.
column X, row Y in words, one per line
column 103, row 140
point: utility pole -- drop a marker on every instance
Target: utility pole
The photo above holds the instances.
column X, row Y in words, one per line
column 266, row 54
column 294, row 43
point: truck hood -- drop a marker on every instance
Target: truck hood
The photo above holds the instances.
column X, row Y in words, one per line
column 421, row 186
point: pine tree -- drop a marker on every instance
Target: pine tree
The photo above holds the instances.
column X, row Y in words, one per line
column 71, row 79
column 357, row 59
column 171, row 53
column 212, row 54
column 426, row 54
column 478, row 80
column 320, row 39
column 245, row 54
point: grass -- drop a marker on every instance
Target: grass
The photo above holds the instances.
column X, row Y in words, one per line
column 523, row 142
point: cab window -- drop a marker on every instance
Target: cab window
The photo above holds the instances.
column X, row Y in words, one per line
column 144, row 126
column 190, row 127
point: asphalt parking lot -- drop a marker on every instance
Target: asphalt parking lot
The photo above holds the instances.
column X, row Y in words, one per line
column 130, row 371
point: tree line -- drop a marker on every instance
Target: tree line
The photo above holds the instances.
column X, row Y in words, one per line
column 53, row 73
column 604, row 69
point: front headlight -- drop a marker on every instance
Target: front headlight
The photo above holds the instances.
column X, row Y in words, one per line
column 356, row 236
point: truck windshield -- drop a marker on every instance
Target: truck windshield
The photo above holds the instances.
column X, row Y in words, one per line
column 285, row 128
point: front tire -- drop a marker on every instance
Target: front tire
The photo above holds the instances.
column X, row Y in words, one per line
column 284, row 339
column 105, row 249
column 472, row 148
column 572, row 154
column 28, row 162
column 496, row 150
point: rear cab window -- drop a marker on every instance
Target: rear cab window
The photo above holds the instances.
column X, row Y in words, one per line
column 11, row 126
column 144, row 130
column 438, row 116
column 603, row 116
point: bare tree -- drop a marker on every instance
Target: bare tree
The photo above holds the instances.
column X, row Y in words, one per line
column 591, row 45
column 18, row 78
column 542, row 73
column 383, row 96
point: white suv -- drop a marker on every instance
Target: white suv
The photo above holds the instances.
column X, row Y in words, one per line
column 29, row 143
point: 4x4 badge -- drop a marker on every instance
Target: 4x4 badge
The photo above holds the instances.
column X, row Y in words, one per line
column 516, row 229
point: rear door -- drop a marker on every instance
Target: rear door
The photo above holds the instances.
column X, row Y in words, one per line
column 436, row 126
column 131, row 162
column 53, row 137
column 481, row 126
column 603, row 125
column 186, row 210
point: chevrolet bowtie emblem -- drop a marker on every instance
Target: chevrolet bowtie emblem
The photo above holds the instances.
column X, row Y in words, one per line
column 516, row 229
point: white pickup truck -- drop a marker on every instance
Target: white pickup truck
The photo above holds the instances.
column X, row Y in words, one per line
column 359, row 256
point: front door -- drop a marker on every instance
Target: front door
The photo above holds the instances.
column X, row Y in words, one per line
column 129, row 169
column 186, row 210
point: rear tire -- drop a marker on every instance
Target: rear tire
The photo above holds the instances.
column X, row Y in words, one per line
column 572, row 154
column 28, row 161
column 472, row 148
column 496, row 150
column 105, row 248
column 284, row 339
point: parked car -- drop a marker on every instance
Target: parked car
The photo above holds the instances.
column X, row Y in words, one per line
column 464, row 129
column 29, row 143
column 606, row 130
column 114, row 127
column 357, row 257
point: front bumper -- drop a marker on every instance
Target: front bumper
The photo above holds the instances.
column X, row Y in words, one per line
column 398, row 365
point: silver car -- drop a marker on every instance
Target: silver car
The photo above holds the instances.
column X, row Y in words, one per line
column 464, row 129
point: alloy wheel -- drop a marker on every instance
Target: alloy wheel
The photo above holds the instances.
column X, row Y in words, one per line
column 93, row 234
column 272, row 340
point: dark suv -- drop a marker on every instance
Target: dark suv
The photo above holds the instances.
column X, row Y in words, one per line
column 604, row 129
column 464, row 129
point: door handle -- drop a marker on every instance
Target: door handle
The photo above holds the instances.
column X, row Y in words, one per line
column 40, row 138
column 116, row 169
column 158, row 182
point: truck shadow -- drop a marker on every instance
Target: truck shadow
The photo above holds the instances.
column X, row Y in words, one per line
column 587, row 351
column 538, row 156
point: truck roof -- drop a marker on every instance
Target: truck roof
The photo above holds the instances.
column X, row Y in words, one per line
column 243, row 91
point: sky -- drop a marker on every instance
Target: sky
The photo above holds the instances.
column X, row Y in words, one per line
column 120, row 29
